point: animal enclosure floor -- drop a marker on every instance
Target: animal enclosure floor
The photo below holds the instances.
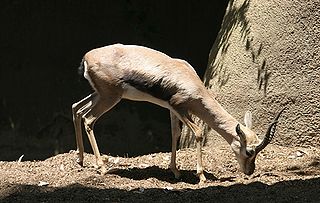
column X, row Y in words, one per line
column 282, row 175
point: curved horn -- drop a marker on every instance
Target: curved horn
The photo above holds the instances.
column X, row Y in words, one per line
column 270, row 133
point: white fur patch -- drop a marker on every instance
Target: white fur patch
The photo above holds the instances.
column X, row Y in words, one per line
column 134, row 94
column 86, row 75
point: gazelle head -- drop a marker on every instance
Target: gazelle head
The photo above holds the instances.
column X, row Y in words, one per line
column 249, row 145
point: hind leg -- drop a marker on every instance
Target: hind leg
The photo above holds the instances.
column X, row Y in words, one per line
column 78, row 110
column 90, row 117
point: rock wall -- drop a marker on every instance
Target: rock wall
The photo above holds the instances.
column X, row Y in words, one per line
column 265, row 57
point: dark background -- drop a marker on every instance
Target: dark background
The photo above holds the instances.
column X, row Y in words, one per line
column 42, row 43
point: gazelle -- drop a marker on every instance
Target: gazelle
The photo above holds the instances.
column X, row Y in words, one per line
column 138, row 73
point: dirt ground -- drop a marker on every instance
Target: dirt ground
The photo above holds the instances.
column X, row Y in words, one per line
column 282, row 175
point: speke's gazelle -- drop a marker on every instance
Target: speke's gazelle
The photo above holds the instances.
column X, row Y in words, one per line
column 138, row 73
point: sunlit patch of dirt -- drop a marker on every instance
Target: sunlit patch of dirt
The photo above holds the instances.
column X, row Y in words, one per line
column 282, row 174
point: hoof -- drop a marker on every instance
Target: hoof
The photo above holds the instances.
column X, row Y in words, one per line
column 202, row 178
column 177, row 175
column 102, row 170
column 80, row 158
column 80, row 162
column 176, row 172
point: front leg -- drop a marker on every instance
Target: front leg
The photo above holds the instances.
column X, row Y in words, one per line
column 199, row 160
column 175, row 132
column 197, row 132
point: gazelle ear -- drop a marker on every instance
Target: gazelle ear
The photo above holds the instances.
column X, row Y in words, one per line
column 248, row 119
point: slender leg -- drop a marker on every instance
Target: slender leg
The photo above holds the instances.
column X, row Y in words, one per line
column 196, row 130
column 199, row 159
column 175, row 132
column 78, row 109
column 99, row 108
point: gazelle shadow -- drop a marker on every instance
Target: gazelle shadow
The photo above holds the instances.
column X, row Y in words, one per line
column 166, row 175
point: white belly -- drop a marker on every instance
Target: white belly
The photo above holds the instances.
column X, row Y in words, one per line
column 134, row 94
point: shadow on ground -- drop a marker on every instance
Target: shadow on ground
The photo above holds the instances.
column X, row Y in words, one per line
column 161, row 174
column 286, row 191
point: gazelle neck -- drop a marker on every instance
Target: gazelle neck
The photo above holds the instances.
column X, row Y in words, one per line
column 212, row 113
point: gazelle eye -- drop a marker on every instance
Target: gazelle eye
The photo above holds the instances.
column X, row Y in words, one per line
column 249, row 152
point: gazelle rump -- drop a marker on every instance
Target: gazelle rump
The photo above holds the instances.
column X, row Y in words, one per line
column 138, row 73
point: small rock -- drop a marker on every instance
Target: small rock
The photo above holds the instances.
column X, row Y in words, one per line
column 140, row 190
column 144, row 165
column 168, row 188
column 43, row 183
column 299, row 154
column 61, row 168
column 114, row 160
column 20, row 158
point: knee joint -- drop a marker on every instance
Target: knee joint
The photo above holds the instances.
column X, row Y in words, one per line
column 198, row 135
column 88, row 122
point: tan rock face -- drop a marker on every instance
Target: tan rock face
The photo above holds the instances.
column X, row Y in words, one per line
column 266, row 57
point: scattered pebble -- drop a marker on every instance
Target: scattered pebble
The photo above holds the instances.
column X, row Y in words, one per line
column 43, row 183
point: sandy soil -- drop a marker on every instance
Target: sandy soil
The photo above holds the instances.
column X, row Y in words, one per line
column 282, row 175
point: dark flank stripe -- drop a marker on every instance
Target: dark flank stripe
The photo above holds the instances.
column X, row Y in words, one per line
column 155, row 88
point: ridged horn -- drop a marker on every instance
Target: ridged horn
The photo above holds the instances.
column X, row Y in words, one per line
column 270, row 133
